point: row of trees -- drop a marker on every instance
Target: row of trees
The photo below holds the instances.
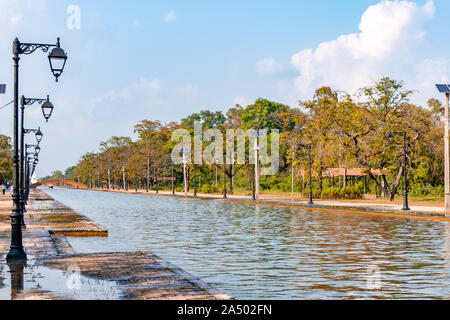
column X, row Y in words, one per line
column 344, row 131
column 6, row 163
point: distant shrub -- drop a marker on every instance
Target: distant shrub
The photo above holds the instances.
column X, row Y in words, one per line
column 207, row 188
column 334, row 193
column 419, row 189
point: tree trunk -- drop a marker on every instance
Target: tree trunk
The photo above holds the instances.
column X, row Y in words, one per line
column 385, row 189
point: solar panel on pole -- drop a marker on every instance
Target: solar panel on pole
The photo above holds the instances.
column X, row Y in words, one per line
column 443, row 88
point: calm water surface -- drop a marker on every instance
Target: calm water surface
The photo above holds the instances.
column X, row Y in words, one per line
column 257, row 252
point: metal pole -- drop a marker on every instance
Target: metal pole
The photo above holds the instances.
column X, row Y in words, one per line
column 156, row 180
column 21, row 166
column 124, row 182
column 173, row 182
column 16, row 251
column 148, row 174
column 292, row 180
column 405, row 173
column 310, row 177
column 27, row 187
column 184, row 174
column 447, row 155
column 195, row 182
column 253, row 187
column 224, row 182
column 109, row 178
column 256, row 170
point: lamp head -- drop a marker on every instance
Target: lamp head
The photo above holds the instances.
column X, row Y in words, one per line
column 47, row 109
column 39, row 136
column 57, row 59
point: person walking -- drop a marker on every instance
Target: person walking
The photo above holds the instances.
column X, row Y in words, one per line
column 3, row 188
column 11, row 189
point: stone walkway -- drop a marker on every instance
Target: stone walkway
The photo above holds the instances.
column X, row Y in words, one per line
column 55, row 271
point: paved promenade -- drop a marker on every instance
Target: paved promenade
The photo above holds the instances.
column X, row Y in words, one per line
column 55, row 271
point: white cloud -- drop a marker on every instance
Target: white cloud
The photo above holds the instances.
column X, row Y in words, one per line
column 170, row 17
column 145, row 98
column 268, row 67
column 388, row 43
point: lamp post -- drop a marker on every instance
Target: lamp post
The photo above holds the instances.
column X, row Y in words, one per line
column 444, row 88
column 292, row 178
column 123, row 175
column 23, row 160
column 148, row 175
column 38, row 135
column 224, row 182
column 217, row 162
column 109, row 176
column 27, row 167
column 256, row 135
column 173, row 181
column 195, row 181
column 405, row 171
column 57, row 59
column 47, row 109
column 98, row 184
column 310, row 202
column 183, row 150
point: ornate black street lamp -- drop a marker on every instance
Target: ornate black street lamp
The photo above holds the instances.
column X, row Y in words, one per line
column 310, row 176
column 405, row 170
column 109, row 176
column 98, row 178
column 38, row 135
column 28, row 164
column 16, row 251
column 173, row 181
column 195, row 182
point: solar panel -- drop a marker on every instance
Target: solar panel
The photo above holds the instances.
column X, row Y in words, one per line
column 2, row 88
column 443, row 88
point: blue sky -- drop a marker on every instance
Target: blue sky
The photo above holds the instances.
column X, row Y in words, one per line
column 134, row 60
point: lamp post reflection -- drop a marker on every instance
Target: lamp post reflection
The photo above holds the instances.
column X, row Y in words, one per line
column 16, row 271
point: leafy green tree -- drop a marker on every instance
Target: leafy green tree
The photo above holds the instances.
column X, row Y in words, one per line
column 263, row 114
column 6, row 165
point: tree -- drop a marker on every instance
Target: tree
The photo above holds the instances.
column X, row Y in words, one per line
column 208, row 119
column 263, row 114
column 6, row 164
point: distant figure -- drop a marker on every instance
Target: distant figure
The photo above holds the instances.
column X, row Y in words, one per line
column 11, row 189
column 3, row 188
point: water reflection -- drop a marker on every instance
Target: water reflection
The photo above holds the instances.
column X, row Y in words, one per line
column 16, row 274
column 29, row 278
column 258, row 252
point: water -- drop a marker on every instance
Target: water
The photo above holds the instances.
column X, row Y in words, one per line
column 70, row 284
column 257, row 252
